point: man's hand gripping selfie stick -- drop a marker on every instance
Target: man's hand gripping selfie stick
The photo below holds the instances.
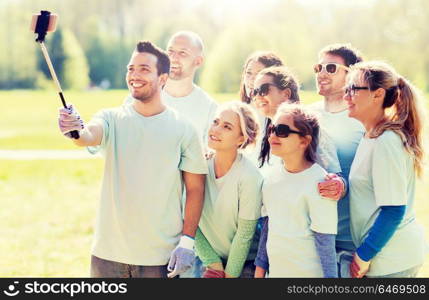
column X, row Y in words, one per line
column 41, row 25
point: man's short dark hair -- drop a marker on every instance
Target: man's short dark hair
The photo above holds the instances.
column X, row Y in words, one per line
column 350, row 55
column 163, row 62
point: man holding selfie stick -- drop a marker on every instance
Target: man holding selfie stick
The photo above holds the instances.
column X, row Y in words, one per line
column 151, row 152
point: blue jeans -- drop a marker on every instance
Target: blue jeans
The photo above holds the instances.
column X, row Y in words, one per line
column 344, row 259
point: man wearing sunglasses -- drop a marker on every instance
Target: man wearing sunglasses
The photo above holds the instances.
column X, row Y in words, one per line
column 331, row 71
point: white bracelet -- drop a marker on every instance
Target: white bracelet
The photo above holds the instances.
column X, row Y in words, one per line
column 186, row 242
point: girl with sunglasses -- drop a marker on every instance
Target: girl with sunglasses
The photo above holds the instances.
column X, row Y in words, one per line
column 277, row 85
column 390, row 243
column 232, row 203
column 274, row 86
column 302, row 224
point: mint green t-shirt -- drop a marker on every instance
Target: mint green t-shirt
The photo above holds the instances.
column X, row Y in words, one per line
column 139, row 219
column 382, row 174
column 197, row 107
column 235, row 195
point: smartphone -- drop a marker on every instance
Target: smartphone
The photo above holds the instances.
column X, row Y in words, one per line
column 43, row 22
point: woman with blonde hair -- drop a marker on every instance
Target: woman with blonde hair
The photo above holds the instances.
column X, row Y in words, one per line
column 390, row 242
column 232, row 202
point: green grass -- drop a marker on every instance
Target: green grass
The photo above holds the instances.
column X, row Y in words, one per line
column 47, row 215
column 48, row 207
column 29, row 118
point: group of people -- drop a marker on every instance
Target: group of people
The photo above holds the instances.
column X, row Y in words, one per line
column 261, row 187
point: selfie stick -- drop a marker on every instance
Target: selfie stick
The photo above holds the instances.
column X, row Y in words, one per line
column 42, row 24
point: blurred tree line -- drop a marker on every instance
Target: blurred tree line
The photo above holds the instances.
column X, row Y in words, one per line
column 94, row 39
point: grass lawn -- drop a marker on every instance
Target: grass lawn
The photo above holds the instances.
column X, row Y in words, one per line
column 48, row 207
column 29, row 118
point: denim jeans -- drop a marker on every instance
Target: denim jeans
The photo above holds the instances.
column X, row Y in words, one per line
column 344, row 259
column 102, row 268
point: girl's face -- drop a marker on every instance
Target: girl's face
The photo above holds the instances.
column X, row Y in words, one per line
column 250, row 73
column 225, row 132
column 292, row 145
column 358, row 97
column 267, row 103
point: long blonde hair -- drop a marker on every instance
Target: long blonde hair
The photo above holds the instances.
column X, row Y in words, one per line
column 402, row 104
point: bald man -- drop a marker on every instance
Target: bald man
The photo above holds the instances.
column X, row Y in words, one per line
column 186, row 52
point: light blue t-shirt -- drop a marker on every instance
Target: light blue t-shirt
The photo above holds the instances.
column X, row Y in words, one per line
column 237, row 194
column 383, row 174
column 346, row 134
column 139, row 219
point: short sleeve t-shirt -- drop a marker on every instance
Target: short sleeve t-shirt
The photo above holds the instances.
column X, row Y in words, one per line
column 346, row 134
column 139, row 219
column 198, row 107
column 235, row 195
column 382, row 174
column 295, row 209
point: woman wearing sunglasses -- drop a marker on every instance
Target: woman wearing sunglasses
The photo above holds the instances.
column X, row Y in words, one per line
column 232, row 203
column 255, row 63
column 302, row 224
column 274, row 86
column 390, row 243
column 277, row 85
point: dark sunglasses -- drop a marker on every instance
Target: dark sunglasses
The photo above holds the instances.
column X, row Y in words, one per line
column 351, row 89
column 281, row 130
column 330, row 68
column 263, row 90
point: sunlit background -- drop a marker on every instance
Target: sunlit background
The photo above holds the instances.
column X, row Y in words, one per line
column 95, row 38
column 47, row 202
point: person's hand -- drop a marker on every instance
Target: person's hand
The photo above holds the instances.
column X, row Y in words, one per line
column 260, row 272
column 332, row 188
column 182, row 257
column 359, row 267
column 69, row 120
column 212, row 273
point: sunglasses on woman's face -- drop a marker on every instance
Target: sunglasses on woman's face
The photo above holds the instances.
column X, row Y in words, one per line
column 263, row 90
column 351, row 89
column 330, row 68
column 281, row 130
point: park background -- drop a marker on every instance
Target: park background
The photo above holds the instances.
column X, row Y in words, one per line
column 48, row 203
